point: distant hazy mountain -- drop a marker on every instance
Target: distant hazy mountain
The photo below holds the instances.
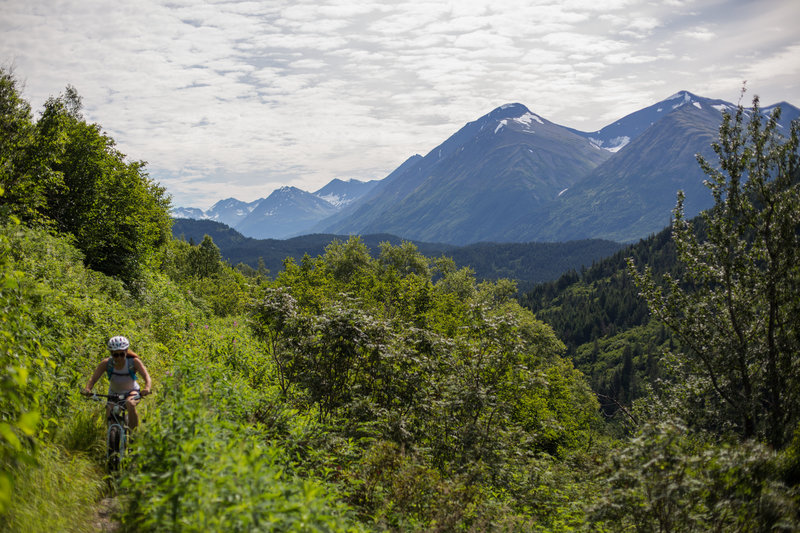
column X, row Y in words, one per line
column 286, row 212
column 632, row 194
column 188, row 212
column 513, row 176
column 342, row 193
column 617, row 135
column 229, row 211
column 470, row 187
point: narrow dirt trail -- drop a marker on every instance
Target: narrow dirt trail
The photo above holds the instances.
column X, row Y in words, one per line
column 104, row 521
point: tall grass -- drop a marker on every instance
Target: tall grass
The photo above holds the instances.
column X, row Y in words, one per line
column 59, row 493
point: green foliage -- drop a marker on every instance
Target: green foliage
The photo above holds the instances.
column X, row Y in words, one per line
column 602, row 300
column 527, row 263
column 56, row 316
column 23, row 175
column 210, row 283
column 204, row 260
column 351, row 364
column 57, row 493
column 606, row 326
column 667, row 480
column 64, row 172
column 736, row 310
column 191, row 470
column 621, row 368
column 449, row 381
column 355, row 392
column 24, row 363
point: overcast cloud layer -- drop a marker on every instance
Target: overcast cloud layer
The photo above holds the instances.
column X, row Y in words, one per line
column 233, row 98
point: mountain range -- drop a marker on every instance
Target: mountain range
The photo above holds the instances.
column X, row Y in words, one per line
column 514, row 176
column 286, row 212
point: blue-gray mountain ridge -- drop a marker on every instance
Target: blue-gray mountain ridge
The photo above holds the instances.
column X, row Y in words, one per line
column 287, row 212
column 514, row 176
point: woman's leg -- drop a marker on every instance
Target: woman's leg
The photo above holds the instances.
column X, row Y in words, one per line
column 130, row 404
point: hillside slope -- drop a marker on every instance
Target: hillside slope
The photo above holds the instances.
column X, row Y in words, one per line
column 527, row 263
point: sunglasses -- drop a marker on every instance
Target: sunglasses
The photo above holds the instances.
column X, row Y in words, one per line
column 118, row 354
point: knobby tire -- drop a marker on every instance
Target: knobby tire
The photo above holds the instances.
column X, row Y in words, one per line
column 114, row 441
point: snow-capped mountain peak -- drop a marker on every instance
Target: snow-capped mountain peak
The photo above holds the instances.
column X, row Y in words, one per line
column 341, row 193
column 620, row 133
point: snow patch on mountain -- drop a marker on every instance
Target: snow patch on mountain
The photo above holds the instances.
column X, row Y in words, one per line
column 680, row 95
column 335, row 200
column 723, row 107
column 685, row 98
column 528, row 119
column 618, row 143
column 612, row 145
column 188, row 212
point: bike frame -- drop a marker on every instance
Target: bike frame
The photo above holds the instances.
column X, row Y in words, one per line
column 117, row 430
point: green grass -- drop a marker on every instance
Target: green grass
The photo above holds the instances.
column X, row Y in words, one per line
column 59, row 493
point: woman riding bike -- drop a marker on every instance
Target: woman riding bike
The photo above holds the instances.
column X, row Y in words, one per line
column 122, row 369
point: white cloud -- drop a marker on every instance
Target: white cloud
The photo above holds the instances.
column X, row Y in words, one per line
column 699, row 33
column 248, row 96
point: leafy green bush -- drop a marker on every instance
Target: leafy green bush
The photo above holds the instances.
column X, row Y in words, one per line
column 24, row 366
column 59, row 492
column 669, row 480
column 193, row 470
column 450, row 396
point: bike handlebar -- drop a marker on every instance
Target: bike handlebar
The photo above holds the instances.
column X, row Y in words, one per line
column 118, row 396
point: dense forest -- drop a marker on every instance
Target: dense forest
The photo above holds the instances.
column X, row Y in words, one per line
column 527, row 263
column 385, row 390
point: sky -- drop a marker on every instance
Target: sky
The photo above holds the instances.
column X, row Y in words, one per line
column 238, row 98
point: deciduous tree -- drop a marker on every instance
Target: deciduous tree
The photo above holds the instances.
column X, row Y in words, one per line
column 737, row 310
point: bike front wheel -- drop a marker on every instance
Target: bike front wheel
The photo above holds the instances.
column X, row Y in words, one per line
column 116, row 439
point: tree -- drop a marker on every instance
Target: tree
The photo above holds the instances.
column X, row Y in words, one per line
column 118, row 216
column 66, row 174
column 737, row 310
column 205, row 259
column 347, row 260
column 405, row 258
column 273, row 320
column 24, row 175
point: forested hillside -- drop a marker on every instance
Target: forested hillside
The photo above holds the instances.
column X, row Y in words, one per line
column 384, row 391
column 605, row 323
column 527, row 263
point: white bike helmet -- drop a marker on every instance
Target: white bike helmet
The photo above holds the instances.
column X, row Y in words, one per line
column 118, row 343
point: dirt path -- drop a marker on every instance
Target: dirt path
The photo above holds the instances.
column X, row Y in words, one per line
column 104, row 521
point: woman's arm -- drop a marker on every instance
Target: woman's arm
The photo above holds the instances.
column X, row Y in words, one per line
column 143, row 371
column 98, row 373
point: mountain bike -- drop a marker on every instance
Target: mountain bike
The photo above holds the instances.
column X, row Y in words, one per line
column 117, row 432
